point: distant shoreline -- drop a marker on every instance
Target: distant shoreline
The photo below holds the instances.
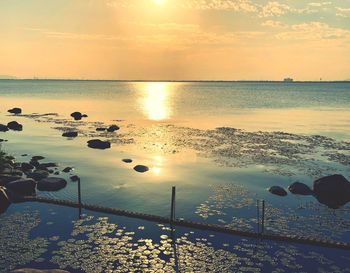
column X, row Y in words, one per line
column 198, row 81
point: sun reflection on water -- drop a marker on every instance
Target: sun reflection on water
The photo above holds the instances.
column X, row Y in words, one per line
column 156, row 101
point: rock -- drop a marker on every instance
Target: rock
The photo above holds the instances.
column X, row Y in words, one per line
column 74, row 178
column 127, row 160
column 5, row 179
column 113, row 128
column 22, row 186
column 99, row 144
column 51, row 184
column 76, row 115
column 277, row 190
column 3, row 140
column 3, row 128
column 35, row 163
column 67, row 170
column 26, row 166
column 32, row 270
column 47, row 165
column 38, row 157
column 300, row 188
column 15, row 111
column 24, row 155
column 100, row 129
column 38, row 174
column 15, row 126
column 4, row 200
column 70, row 134
column 11, row 171
column 56, row 173
column 333, row 190
column 84, row 116
column 141, row 168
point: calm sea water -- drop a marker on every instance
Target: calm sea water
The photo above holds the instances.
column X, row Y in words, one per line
column 171, row 127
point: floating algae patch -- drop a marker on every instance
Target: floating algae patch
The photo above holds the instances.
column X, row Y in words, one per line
column 16, row 246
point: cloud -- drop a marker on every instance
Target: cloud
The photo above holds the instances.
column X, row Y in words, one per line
column 319, row 4
column 235, row 5
column 343, row 12
column 274, row 24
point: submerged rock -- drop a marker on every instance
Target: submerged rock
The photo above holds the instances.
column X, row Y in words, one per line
column 51, row 184
column 127, row 160
column 15, row 110
column 300, row 188
column 67, row 170
column 38, row 157
column 99, row 144
column 22, row 186
column 15, row 126
column 101, row 129
column 141, row 168
column 70, row 134
column 74, row 178
column 38, row 174
column 277, row 190
column 332, row 191
column 47, row 165
column 3, row 128
column 113, row 128
column 4, row 200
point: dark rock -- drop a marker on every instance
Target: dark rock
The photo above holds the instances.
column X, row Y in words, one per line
column 67, row 170
column 300, row 188
column 24, row 155
column 70, row 134
column 76, row 115
column 74, row 178
column 127, row 160
column 51, row 171
column 3, row 140
column 15, row 110
column 32, row 270
column 113, row 128
column 38, row 157
column 26, row 166
column 15, row 126
column 4, row 179
column 56, row 173
column 51, row 184
column 47, row 165
column 22, row 186
column 38, row 174
column 12, row 172
column 277, row 190
column 3, row 128
column 101, row 129
column 333, row 190
column 4, row 200
column 35, row 163
column 99, row 144
column 84, row 116
column 141, row 168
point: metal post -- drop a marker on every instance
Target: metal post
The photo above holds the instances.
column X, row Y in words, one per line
column 172, row 213
column 263, row 216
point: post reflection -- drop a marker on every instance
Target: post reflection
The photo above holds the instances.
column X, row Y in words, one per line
column 156, row 101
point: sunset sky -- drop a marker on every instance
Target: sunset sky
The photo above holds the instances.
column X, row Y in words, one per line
column 175, row 39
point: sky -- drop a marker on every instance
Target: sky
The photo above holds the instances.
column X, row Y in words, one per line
column 175, row 39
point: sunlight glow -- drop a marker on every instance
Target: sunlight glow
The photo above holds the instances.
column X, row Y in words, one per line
column 159, row 2
column 156, row 101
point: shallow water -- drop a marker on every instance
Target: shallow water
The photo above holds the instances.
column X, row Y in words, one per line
column 171, row 127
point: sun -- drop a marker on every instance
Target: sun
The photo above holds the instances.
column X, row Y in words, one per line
column 159, row 2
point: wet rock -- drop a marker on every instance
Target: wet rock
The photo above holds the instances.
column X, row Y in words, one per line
column 76, row 115
column 38, row 174
column 22, row 186
column 51, row 171
column 141, row 168
column 332, row 191
column 70, row 134
column 56, row 173
column 74, row 178
column 300, row 188
column 47, row 165
column 32, row 270
column 5, row 179
column 15, row 111
column 11, row 171
column 100, row 129
column 3, row 128
column 84, row 115
column 26, row 166
column 38, row 157
column 51, row 184
column 277, row 190
column 67, row 170
column 99, row 144
column 3, row 140
column 127, row 160
column 35, row 163
column 24, row 155
column 15, row 126
column 4, row 200
column 113, row 128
